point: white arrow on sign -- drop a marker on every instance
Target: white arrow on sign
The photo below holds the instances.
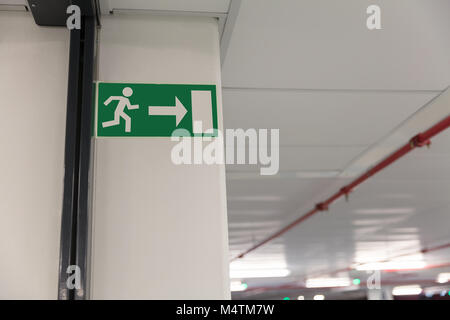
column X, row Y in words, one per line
column 179, row 111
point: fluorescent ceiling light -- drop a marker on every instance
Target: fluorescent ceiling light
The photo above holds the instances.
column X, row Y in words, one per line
column 270, row 266
column 443, row 278
column 385, row 211
column 259, row 273
column 238, row 286
column 317, row 174
column 392, row 265
column 328, row 282
column 319, row 297
column 238, row 175
column 407, row 290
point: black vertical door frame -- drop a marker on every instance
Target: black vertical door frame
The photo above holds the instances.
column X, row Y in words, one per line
column 75, row 220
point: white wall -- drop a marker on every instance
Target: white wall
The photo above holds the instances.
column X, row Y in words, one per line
column 33, row 91
column 159, row 229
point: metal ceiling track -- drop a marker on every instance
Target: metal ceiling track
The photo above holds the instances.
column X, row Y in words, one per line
column 419, row 140
column 74, row 260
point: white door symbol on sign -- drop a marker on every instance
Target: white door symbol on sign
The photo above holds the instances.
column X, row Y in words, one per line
column 202, row 111
column 124, row 102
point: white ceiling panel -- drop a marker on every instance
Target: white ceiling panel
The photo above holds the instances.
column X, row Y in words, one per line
column 304, row 160
column 419, row 166
column 321, row 118
column 267, row 193
column 326, row 44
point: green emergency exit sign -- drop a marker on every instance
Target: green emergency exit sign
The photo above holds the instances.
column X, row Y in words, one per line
column 155, row 110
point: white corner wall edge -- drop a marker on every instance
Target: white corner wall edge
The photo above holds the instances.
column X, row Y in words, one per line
column 159, row 230
column 33, row 87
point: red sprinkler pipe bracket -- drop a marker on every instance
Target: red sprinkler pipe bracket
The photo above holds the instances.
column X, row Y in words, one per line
column 419, row 141
column 321, row 207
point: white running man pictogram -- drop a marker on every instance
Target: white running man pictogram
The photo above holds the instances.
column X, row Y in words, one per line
column 124, row 102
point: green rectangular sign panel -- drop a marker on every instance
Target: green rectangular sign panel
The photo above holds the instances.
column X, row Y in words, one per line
column 155, row 110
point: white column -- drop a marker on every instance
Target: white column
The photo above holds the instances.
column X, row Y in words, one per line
column 160, row 230
column 33, row 93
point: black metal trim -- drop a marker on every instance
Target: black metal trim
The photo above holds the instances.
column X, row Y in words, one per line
column 76, row 217
column 84, row 187
column 53, row 13
column 49, row 12
column 70, row 169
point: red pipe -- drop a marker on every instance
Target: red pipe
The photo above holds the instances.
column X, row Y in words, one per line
column 417, row 141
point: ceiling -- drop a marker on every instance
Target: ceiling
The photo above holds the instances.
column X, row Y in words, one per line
column 336, row 90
